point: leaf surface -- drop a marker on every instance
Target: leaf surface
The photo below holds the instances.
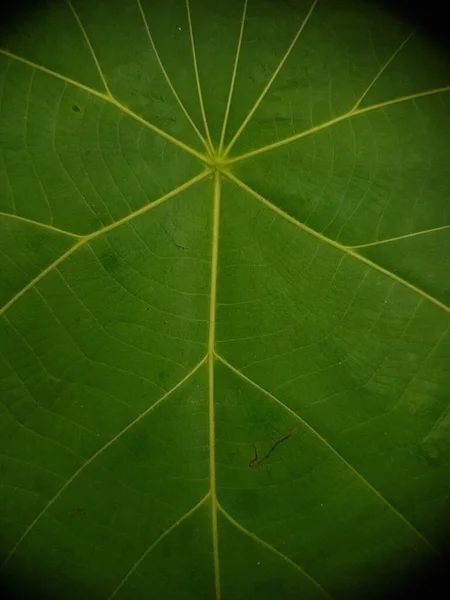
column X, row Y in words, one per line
column 224, row 240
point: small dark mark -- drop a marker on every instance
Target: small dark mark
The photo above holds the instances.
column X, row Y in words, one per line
column 255, row 462
column 78, row 512
column 75, row 108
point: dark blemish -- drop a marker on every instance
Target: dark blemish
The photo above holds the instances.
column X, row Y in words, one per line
column 255, row 462
column 78, row 512
column 75, row 108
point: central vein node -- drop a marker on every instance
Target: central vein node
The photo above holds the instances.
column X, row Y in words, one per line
column 217, row 161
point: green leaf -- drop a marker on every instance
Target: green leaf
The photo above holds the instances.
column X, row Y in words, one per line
column 224, row 336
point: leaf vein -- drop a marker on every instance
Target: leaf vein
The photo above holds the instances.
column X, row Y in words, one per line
column 94, row 456
column 346, row 249
column 363, row 480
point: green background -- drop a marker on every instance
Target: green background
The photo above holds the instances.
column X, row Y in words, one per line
column 222, row 222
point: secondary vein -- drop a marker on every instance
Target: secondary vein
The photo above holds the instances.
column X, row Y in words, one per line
column 93, row 457
column 331, row 448
column 111, row 100
column 168, row 80
column 348, row 115
column 257, row 539
column 346, row 249
column 88, row 238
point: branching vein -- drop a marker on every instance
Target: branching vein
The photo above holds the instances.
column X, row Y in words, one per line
column 331, row 449
column 169, row 82
column 271, row 80
column 346, row 249
column 272, row 549
column 96, row 455
column 39, row 224
column 156, row 542
column 107, row 98
column 91, row 48
column 348, row 115
column 233, row 78
column 397, row 238
column 197, row 77
column 88, row 238
column 381, row 71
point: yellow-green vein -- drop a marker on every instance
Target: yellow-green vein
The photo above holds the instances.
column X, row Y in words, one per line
column 331, row 449
column 271, row 80
column 272, row 549
column 233, row 78
column 197, row 77
column 91, row 48
column 88, row 238
column 176, row 142
column 348, row 115
column 347, row 249
column 95, row 455
column 211, row 359
column 39, row 224
column 169, row 82
column 156, row 542
column 381, row 71
column 397, row 238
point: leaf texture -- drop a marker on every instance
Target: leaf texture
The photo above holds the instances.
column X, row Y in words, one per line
column 224, row 235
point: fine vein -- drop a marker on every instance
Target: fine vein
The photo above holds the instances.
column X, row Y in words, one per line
column 272, row 549
column 88, row 238
column 107, row 98
column 197, row 77
column 169, row 82
column 330, row 447
column 96, row 455
column 233, row 78
column 347, row 249
column 91, row 48
column 271, row 80
column 211, row 358
column 156, row 542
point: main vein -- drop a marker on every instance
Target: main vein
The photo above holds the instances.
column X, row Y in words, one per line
column 346, row 249
column 111, row 100
column 88, row 238
column 211, row 359
column 96, row 455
